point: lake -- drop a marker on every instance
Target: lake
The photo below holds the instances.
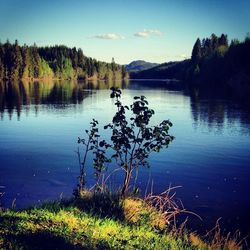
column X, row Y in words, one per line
column 40, row 123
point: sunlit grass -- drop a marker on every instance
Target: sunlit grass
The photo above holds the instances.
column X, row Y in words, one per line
column 79, row 229
column 132, row 224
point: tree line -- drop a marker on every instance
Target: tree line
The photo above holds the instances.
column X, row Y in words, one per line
column 209, row 47
column 59, row 62
column 216, row 63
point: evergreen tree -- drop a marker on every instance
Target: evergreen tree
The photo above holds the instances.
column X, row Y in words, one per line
column 67, row 69
column 7, row 58
column 27, row 70
column 44, row 70
column 223, row 40
column 80, row 58
column 35, row 58
column 196, row 52
column 234, row 42
column 16, row 61
column 214, row 42
column 45, row 62
column 74, row 58
column 1, row 70
column 124, row 72
column 207, row 49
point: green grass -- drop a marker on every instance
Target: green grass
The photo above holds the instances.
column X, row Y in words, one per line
column 78, row 225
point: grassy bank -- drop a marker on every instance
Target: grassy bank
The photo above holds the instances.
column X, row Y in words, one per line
column 96, row 222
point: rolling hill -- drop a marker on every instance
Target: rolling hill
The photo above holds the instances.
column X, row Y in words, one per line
column 139, row 65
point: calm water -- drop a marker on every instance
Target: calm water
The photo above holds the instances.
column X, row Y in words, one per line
column 40, row 124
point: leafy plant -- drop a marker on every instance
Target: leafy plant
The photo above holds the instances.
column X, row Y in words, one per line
column 91, row 144
column 132, row 139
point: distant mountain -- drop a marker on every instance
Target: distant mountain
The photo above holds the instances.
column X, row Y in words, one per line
column 139, row 65
column 170, row 70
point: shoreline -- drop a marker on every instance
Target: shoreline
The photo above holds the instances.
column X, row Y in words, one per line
column 102, row 221
column 63, row 79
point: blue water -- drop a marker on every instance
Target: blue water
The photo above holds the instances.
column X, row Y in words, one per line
column 40, row 124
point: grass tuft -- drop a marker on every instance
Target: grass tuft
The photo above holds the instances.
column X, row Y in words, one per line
column 138, row 212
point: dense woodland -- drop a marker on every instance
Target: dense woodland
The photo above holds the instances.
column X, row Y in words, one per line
column 214, row 63
column 55, row 62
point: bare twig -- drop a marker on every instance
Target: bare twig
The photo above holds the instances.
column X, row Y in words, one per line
column 219, row 241
column 170, row 207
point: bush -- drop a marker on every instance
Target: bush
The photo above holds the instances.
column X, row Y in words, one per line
column 132, row 140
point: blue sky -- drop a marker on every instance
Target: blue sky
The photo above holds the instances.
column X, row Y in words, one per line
column 156, row 30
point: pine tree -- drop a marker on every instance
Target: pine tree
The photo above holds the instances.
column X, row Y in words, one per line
column 1, row 69
column 196, row 53
column 214, row 42
column 35, row 58
column 16, row 61
column 207, row 48
column 223, row 40
column 80, row 58
column 27, row 69
column 7, row 59
column 33, row 62
column 1, row 62
column 74, row 58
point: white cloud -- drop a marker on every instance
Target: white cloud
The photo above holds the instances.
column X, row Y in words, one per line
column 142, row 34
column 109, row 36
column 147, row 33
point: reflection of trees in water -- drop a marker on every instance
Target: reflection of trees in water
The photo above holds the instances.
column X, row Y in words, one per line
column 10, row 98
column 18, row 96
column 98, row 85
column 217, row 110
column 166, row 84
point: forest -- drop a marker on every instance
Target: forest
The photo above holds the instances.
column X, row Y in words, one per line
column 54, row 62
column 215, row 63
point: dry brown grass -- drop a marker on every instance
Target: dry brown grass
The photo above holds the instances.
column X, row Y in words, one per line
column 196, row 240
column 136, row 211
column 217, row 240
column 167, row 204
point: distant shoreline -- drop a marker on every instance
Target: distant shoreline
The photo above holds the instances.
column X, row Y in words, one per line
column 160, row 80
column 63, row 79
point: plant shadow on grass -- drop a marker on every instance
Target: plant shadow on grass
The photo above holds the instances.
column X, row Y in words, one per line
column 38, row 240
column 29, row 240
column 98, row 204
column 42, row 239
column 103, row 205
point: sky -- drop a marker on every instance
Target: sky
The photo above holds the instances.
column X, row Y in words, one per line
column 155, row 31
